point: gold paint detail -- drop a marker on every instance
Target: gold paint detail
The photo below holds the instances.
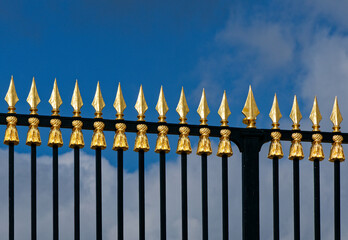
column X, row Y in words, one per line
column 336, row 152
column 296, row 149
column 224, row 110
column 98, row 138
column 336, row 116
column 120, row 139
column 76, row 101
column 141, row 140
column 11, row 133
column 315, row 115
column 55, row 99
column 250, row 110
column 204, row 145
column 76, row 138
column 316, row 151
column 295, row 115
column 119, row 104
column 55, row 136
column 11, row 97
column 33, row 98
column 141, row 105
column 33, row 135
column 275, row 114
column 162, row 107
column 182, row 109
column 184, row 144
column 275, row 148
column 98, row 102
column 203, row 109
column 162, row 143
column 225, row 147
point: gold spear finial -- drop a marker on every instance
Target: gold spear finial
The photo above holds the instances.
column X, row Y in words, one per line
column 336, row 117
column 119, row 104
column 295, row 115
column 98, row 102
column 224, row 110
column 141, row 105
column 11, row 97
column 250, row 110
column 76, row 101
column 162, row 107
column 55, row 99
column 275, row 114
column 182, row 109
column 315, row 115
column 33, row 98
column 203, row 109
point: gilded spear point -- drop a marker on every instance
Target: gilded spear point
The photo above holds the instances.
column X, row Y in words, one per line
column 141, row 105
column 250, row 110
column 11, row 97
column 315, row 115
column 295, row 115
column 98, row 102
column 275, row 114
column 55, row 99
column 224, row 110
column 33, row 98
column 182, row 109
column 76, row 101
column 203, row 109
column 119, row 104
column 336, row 117
column 162, row 107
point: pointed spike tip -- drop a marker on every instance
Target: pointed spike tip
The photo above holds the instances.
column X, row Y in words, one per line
column 250, row 110
column 11, row 97
column 275, row 114
column 224, row 110
column 182, row 109
column 336, row 116
column 55, row 99
column 141, row 105
column 119, row 104
column 162, row 107
column 295, row 115
column 203, row 109
column 315, row 115
column 98, row 102
column 76, row 101
column 33, row 98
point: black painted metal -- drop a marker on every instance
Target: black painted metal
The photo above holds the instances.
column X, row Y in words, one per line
column 316, row 171
column 11, row 190
column 296, row 182
column 275, row 198
column 184, row 220
column 163, row 195
column 205, row 230
column 55, row 193
column 224, row 174
column 98, row 175
column 120, row 194
column 33, row 193
column 141, row 195
column 337, row 200
column 76, row 193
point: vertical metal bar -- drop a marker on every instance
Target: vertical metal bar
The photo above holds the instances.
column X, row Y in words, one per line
column 276, row 198
column 141, row 196
column 98, row 174
column 55, row 193
column 77, row 193
column 163, row 195
column 337, row 199
column 224, row 174
column 204, row 197
column 184, row 221
column 11, row 189
column 33, row 193
column 296, row 180
column 316, row 170
column 120, row 193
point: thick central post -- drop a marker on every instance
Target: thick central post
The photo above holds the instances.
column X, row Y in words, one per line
column 250, row 187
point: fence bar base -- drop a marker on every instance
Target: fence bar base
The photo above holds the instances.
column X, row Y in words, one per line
column 33, row 193
column 120, row 194
column 141, row 195
column 11, row 190
column 184, row 196
column 224, row 173
column 337, row 200
column 296, row 181
column 76, row 193
column 55, row 193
